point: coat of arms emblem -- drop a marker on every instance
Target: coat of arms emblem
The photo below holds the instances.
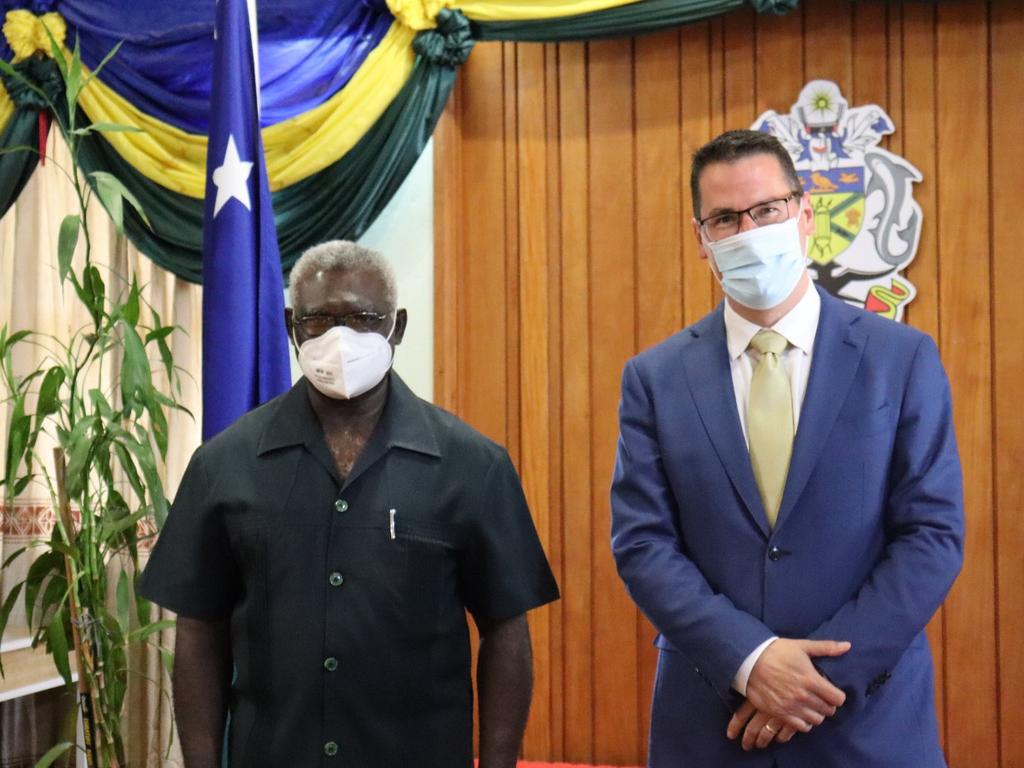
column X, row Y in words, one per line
column 866, row 223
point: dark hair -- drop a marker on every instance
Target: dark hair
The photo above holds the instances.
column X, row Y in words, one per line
column 734, row 145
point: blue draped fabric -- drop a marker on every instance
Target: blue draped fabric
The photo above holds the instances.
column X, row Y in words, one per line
column 308, row 51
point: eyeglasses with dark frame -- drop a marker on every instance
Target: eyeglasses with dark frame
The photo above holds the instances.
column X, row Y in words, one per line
column 718, row 226
column 361, row 322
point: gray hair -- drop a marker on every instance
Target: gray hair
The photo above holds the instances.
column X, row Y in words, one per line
column 344, row 256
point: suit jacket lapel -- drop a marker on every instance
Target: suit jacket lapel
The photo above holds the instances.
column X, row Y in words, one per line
column 838, row 346
column 706, row 362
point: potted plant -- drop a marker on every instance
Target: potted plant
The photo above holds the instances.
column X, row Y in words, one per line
column 103, row 476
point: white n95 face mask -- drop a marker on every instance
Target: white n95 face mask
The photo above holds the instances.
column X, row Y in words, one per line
column 343, row 363
column 759, row 268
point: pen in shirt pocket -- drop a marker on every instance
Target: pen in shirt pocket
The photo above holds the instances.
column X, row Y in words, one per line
column 391, row 523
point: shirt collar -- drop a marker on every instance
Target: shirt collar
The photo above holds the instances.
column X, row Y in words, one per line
column 798, row 326
column 404, row 422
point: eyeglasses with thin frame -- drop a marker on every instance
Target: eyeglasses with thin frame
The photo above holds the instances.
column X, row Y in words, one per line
column 727, row 223
column 361, row 322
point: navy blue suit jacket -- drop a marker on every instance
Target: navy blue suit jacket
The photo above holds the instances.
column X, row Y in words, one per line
column 868, row 540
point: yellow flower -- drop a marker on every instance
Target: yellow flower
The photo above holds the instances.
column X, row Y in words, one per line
column 26, row 32
column 418, row 14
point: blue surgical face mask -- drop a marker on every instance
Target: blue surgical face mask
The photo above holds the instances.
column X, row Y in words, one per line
column 760, row 267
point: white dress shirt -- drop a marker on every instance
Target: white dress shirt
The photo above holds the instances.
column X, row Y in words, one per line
column 799, row 327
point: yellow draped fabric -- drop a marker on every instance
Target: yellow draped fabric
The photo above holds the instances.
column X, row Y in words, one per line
column 6, row 107
column 421, row 14
column 295, row 148
column 26, row 32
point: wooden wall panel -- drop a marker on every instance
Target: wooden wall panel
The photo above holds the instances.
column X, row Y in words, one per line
column 612, row 259
column 965, row 335
column 564, row 245
column 1007, row 52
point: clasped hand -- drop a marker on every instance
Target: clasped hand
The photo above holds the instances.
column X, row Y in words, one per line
column 786, row 694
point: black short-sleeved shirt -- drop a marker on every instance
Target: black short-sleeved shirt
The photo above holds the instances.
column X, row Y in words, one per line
column 347, row 601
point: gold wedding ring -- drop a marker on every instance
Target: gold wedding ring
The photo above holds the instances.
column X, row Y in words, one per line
column 770, row 730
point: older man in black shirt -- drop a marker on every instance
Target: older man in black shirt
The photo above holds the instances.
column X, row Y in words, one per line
column 327, row 546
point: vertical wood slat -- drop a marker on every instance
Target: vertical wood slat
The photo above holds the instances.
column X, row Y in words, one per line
column 534, row 374
column 590, row 213
column 701, row 104
column 552, row 428
column 916, row 130
column 612, row 309
column 1006, row 160
column 577, row 529
column 965, row 335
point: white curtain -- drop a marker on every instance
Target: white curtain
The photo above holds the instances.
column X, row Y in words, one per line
column 31, row 297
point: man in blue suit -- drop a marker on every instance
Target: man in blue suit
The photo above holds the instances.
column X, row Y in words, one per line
column 787, row 500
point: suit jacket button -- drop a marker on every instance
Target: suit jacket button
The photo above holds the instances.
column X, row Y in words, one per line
column 774, row 554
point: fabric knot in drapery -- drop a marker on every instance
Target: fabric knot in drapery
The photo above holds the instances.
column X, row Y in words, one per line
column 38, row 72
column 449, row 44
column 26, row 32
column 418, row 14
column 778, row 7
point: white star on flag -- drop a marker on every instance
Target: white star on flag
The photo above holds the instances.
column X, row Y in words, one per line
column 231, row 178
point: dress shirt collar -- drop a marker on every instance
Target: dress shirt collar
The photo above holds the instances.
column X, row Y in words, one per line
column 798, row 326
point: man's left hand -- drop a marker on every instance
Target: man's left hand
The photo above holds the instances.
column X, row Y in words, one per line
column 760, row 729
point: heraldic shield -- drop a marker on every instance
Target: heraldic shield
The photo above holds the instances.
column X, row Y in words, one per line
column 837, row 200
column 866, row 223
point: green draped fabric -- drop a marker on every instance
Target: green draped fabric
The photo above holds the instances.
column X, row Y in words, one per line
column 17, row 162
column 633, row 19
column 19, row 142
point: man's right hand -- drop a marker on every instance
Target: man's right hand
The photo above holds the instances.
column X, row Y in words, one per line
column 785, row 684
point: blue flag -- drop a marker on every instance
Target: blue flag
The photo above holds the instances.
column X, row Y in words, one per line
column 245, row 346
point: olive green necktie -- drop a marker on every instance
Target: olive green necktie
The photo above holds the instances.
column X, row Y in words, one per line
column 770, row 421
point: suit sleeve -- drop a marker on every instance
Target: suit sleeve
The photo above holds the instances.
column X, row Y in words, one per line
column 924, row 527
column 704, row 626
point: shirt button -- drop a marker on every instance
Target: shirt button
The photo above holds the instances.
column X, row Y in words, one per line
column 336, row 579
column 774, row 554
column 330, row 663
column 330, row 749
column 341, row 505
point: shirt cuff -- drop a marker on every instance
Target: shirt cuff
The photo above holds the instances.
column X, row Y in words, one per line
column 743, row 673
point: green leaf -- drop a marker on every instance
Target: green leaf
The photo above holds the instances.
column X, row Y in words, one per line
column 143, row 632
column 14, row 338
column 57, row 642
column 41, row 567
column 21, row 484
column 17, row 439
column 168, row 659
column 143, row 609
column 143, row 453
column 132, row 474
column 66, row 242
column 106, row 128
column 97, row 290
column 112, row 194
column 49, row 391
column 78, row 448
column 160, row 333
column 130, row 309
column 101, row 405
column 53, row 596
column 54, row 752
column 5, row 614
column 136, row 376
column 14, row 556
column 124, row 601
